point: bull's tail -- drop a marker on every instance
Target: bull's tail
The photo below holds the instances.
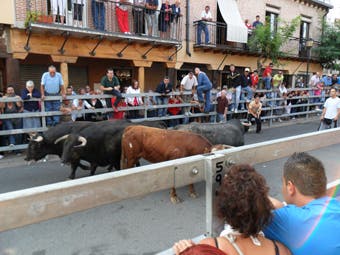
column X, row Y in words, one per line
column 123, row 159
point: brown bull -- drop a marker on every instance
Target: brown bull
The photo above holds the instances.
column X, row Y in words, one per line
column 158, row 145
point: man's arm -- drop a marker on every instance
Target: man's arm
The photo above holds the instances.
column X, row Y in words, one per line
column 323, row 113
column 276, row 203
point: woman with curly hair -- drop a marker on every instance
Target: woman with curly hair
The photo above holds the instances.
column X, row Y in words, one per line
column 244, row 205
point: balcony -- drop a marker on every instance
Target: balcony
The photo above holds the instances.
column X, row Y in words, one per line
column 107, row 19
column 216, row 34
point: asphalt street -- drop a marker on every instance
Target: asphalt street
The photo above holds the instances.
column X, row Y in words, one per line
column 143, row 225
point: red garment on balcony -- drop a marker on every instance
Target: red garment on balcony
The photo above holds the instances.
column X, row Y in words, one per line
column 123, row 20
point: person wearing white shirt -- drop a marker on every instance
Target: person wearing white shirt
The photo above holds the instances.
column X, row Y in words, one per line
column 331, row 111
column 188, row 83
column 203, row 26
column 134, row 100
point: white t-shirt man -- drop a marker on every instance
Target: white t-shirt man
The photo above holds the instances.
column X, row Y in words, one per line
column 206, row 15
column 188, row 83
column 332, row 105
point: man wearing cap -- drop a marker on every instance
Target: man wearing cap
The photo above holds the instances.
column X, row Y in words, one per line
column 245, row 85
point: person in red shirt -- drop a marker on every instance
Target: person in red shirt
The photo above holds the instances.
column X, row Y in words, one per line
column 174, row 110
column 118, row 114
column 267, row 79
column 254, row 77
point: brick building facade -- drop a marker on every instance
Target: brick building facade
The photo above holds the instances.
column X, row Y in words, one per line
column 83, row 53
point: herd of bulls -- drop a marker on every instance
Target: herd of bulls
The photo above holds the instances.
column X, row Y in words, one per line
column 121, row 144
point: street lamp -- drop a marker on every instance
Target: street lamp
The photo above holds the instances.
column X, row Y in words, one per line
column 309, row 45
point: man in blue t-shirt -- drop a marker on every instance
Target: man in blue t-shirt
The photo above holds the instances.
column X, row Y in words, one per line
column 204, row 85
column 310, row 223
column 52, row 84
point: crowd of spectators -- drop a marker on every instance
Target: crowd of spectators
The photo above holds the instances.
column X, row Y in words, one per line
column 240, row 98
column 139, row 17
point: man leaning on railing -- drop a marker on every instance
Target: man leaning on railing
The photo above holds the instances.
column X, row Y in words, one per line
column 28, row 93
column 10, row 108
column 52, row 84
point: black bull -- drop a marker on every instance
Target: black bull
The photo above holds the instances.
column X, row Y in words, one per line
column 45, row 144
column 230, row 133
column 98, row 144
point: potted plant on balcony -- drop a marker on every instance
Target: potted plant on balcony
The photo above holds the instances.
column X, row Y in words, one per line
column 46, row 19
column 32, row 16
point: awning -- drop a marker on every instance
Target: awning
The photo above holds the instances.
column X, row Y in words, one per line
column 236, row 29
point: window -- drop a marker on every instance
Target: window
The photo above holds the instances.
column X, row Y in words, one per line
column 272, row 18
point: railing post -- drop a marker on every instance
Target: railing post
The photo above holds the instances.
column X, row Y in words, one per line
column 43, row 119
column 215, row 167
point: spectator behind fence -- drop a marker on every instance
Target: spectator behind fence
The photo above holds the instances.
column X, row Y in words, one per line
column 94, row 103
column 175, row 28
column 331, row 111
column 313, row 82
column 188, row 84
column 87, row 90
column 138, row 16
column 164, row 88
column 175, row 110
column 267, row 80
column 28, row 93
column 222, row 106
column 135, row 100
column 150, row 16
column 67, row 107
column 52, row 84
column 254, row 80
column 122, row 15
column 234, row 82
column 310, row 223
column 246, row 89
column 277, row 81
column 203, row 26
column 335, row 80
column 242, row 202
column 204, row 85
column 98, row 14
column 110, row 85
column 12, row 123
column 150, row 102
column 318, row 92
column 164, row 18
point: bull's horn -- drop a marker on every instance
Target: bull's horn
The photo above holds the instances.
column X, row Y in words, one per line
column 60, row 139
column 227, row 146
column 37, row 139
column 83, row 141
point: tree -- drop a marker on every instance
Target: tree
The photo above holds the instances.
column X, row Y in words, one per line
column 268, row 44
column 329, row 48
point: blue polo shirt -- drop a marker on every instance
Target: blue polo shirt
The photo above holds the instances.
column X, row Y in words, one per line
column 313, row 229
column 52, row 84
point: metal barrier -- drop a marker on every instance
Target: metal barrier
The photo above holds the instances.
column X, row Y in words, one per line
column 23, row 207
